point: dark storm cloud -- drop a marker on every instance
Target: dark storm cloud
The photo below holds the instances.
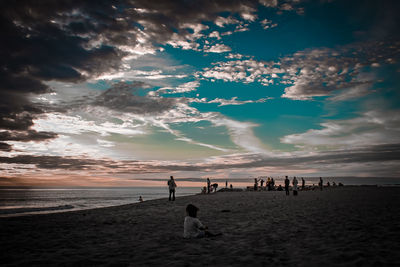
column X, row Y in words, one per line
column 25, row 136
column 54, row 162
column 71, row 41
column 125, row 97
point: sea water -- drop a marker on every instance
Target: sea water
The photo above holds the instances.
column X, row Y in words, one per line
column 16, row 202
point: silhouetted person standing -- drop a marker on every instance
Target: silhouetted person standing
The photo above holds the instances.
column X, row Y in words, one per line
column 208, row 185
column 303, row 183
column 294, row 182
column 287, row 182
column 255, row 184
column 321, row 183
column 171, row 186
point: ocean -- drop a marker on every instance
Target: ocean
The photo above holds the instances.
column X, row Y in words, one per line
column 17, row 202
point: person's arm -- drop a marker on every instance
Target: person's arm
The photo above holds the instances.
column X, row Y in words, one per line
column 200, row 225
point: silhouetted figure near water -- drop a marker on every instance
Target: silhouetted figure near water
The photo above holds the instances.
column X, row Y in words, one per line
column 279, row 188
column 261, row 183
column 171, row 186
column 226, row 184
column 272, row 184
column 294, row 182
column 303, row 184
column 140, row 199
column 269, row 184
column 255, row 184
column 321, row 183
column 287, row 182
column 215, row 186
column 208, row 185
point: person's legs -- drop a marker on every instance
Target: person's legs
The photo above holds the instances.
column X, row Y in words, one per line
column 170, row 192
column 173, row 195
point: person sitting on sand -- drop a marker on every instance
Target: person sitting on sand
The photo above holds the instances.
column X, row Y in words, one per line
column 140, row 199
column 192, row 227
column 171, row 186
column 280, row 188
column 287, row 182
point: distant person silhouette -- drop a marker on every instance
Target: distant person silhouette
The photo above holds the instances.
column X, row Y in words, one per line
column 269, row 183
column 272, row 184
column 171, row 186
column 192, row 227
column 287, row 182
column 294, row 182
column 321, row 183
column 215, row 186
column 279, row 188
column 255, row 184
column 140, row 199
column 208, row 185
column 261, row 183
column 226, row 184
column 303, row 183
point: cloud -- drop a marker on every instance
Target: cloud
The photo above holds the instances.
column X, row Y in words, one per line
column 267, row 24
column 377, row 127
column 339, row 72
column 234, row 101
column 122, row 97
column 330, row 162
column 183, row 88
column 74, row 41
column 218, row 48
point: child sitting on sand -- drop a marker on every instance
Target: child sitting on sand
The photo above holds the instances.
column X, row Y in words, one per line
column 192, row 227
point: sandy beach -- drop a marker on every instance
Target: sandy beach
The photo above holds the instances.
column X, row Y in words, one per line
column 347, row 226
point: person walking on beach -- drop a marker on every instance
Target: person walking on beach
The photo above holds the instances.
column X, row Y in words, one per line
column 321, row 183
column 208, row 185
column 255, row 184
column 287, row 182
column 192, row 227
column 171, row 186
column 294, row 182
column 303, row 183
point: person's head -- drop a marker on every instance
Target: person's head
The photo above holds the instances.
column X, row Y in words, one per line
column 286, row 176
column 171, row 177
column 191, row 210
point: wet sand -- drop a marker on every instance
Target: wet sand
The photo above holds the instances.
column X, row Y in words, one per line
column 346, row 226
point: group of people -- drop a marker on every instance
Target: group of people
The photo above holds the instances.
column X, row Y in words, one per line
column 269, row 184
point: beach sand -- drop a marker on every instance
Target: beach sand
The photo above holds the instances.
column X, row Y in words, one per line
column 346, row 226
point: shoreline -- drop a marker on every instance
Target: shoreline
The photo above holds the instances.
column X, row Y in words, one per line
column 32, row 211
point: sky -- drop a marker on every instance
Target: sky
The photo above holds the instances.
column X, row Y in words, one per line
column 118, row 93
